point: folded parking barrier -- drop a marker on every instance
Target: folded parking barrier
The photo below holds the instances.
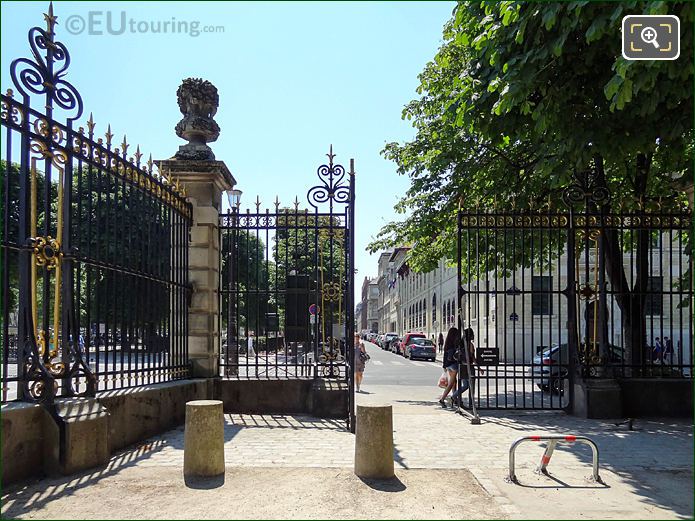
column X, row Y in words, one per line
column 553, row 440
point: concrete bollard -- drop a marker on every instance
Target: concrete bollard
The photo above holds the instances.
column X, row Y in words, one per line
column 374, row 442
column 203, row 453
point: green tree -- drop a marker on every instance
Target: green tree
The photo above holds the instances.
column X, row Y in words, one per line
column 252, row 274
column 522, row 96
column 315, row 247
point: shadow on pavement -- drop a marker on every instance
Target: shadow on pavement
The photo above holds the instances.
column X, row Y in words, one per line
column 645, row 457
column 201, row 483
column 385, row 485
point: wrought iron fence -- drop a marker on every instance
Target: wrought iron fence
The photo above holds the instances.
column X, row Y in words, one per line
column 94, row 245
column 552, row 295
column 287, row 285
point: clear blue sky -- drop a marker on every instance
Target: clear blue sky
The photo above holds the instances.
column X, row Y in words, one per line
column 293, row 77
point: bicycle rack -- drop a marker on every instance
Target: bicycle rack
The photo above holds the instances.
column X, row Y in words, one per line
column 553, row 440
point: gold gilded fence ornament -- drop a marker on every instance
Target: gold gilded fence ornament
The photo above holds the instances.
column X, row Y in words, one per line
column 54, row 150
column 47, row 254
column 331, row 291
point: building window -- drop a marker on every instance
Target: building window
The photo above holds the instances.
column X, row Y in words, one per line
column 434, row 308
column 654, row 304
column 541, row 297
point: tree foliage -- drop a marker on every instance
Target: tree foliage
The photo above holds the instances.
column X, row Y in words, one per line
column 523, row 95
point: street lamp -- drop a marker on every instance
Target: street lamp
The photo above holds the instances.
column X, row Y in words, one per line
column 234, row 198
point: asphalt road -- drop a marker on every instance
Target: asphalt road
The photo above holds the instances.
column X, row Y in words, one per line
column 499, row 387
column 385, row 368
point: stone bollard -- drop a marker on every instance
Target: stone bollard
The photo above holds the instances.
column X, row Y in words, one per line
column 374, row 442
column 203, row 454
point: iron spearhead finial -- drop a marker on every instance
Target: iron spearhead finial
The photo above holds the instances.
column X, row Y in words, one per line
column 91, row 125
column 51, row 19
column 108, row 135
column 330, row 155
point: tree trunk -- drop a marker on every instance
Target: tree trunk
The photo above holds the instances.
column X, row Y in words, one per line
column 631, row 301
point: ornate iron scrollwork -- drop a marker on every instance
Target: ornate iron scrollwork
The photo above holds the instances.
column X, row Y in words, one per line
column 40, row 75
column 334, row 188
column 585, row 191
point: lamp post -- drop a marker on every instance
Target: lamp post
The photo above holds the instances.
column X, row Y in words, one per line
column 234, row 199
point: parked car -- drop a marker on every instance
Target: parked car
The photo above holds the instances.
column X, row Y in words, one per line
column 406, row 340
column 388, row 338
column 421, row 348
column 549, row 368
column 393, row 346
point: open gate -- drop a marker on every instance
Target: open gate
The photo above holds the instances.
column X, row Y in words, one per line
column 559, row 295
column 287, row 285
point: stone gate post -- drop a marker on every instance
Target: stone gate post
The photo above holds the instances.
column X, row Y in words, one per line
column 204, row 180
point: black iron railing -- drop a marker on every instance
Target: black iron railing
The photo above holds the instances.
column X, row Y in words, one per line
column 556, row 295
column 94, row 245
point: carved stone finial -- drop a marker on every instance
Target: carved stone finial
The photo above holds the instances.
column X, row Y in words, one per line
column 198, row 101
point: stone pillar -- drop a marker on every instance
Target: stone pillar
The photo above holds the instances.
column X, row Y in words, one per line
column 204, row 181
column 203, row 451
column 374, row 442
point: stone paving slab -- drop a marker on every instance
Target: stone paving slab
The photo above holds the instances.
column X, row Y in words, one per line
column 426, row 436
column 647, row 471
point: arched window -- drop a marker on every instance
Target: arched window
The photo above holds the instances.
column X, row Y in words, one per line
column 434, row 308
column 424, row 312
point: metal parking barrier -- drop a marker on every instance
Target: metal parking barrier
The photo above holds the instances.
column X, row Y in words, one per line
column 553, row 440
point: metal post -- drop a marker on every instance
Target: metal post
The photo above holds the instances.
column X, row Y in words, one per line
column 459, row 296
column 554, row 440
column 350, row 353
column 545, row 459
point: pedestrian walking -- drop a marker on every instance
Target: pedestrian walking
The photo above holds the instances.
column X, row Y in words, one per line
column 658, row 353
column 250, row 351
column 440, row 342
column 361, row 358
column 466, row 356
column 668, row 349
column 449, row 363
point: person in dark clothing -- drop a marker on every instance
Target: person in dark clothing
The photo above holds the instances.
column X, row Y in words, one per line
column 466, row 380
column 449, row 362
column 440, row 342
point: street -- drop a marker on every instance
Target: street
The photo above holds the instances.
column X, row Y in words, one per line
column 498, row 387
column 386, row 368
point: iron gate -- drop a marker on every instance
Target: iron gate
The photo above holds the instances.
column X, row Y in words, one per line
column 287, row 285
column 557, row 295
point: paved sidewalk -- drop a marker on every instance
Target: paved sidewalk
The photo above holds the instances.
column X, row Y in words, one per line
column 647, row 472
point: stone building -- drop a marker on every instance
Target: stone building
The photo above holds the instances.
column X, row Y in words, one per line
column 526, row 311
column 369, row 313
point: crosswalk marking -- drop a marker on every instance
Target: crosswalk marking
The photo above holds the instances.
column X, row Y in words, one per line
column 396, row 362
column 377, row 362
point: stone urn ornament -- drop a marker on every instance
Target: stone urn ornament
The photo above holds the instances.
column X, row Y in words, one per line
column 198, row 101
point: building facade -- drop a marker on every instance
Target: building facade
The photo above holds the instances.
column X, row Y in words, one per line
column 525, row 311
column 368, row 307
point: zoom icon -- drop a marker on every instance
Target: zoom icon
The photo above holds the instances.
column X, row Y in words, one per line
column 651, row 37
